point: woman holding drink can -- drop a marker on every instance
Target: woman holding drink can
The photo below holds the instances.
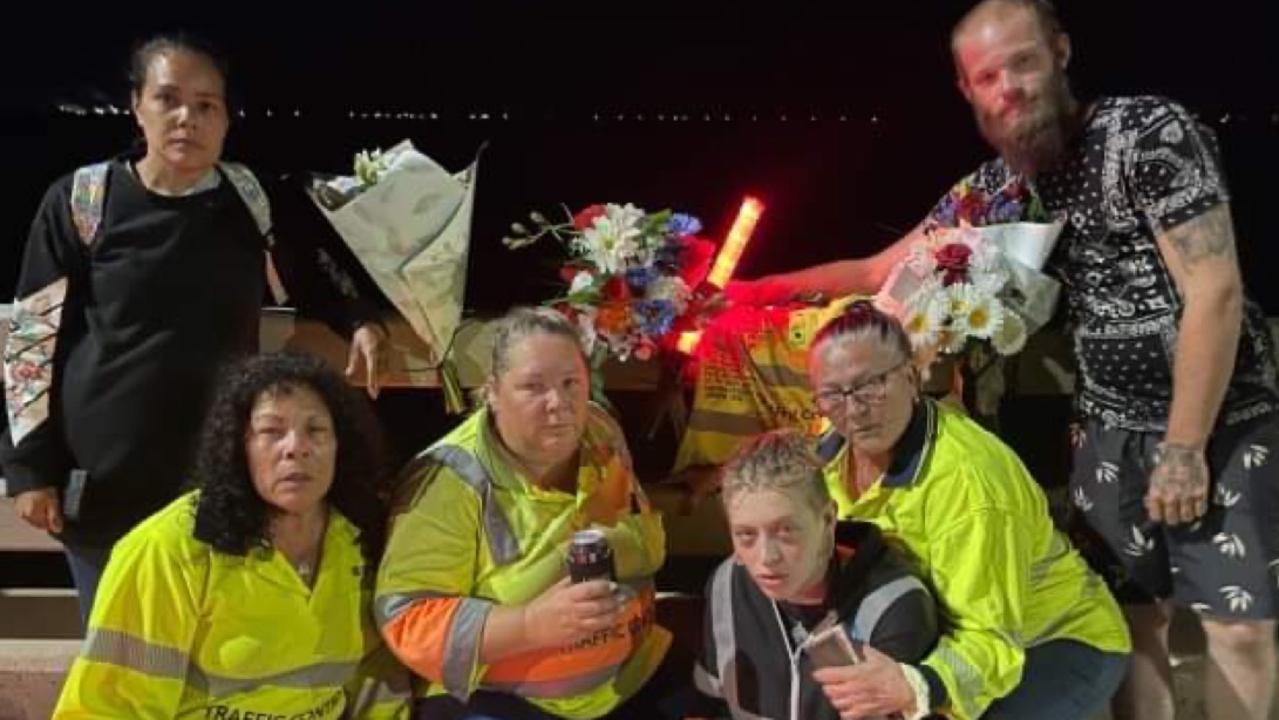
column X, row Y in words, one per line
column 474, row 592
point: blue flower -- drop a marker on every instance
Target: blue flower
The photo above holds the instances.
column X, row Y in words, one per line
column 1003, row 209
column 654, row 317
column 945, row 211
column 680, row 225
column 640, row 277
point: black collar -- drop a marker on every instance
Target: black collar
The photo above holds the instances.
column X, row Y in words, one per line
column 912, row 450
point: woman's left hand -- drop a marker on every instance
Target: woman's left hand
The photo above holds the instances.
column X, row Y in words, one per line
column 876, row 686
column 367, row 349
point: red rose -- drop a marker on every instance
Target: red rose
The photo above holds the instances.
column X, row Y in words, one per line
column 695, row 259
column 1017, row 190
column 586, row 217
column 954, row 256
column 616, row 289
column 568, row 272
column 953, row 261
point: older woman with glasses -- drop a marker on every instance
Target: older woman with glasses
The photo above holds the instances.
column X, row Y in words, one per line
column 1030, row 631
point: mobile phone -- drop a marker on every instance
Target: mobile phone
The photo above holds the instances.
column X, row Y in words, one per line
column 831, row 647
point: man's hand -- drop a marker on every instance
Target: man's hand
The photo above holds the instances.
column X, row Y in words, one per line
column 1178, row 486
column 873, row 687
column 367, row 348
column 39, row 509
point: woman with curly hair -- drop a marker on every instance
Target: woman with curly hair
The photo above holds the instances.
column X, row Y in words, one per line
column 249, row 596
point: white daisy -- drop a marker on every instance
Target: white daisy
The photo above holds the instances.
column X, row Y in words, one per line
column 984, row 314
column 1010, row 338
column 922, row 319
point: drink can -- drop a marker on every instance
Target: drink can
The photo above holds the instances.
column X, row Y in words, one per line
column 590, row 557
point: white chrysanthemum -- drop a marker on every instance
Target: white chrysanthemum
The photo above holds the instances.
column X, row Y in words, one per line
column 1010, row 338
column 613, row 238
column 673, row 289
column 581, row 281
column 984, row 313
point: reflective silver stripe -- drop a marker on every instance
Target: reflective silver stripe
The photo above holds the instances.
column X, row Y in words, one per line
column 372, row 694
column 777, row 375
column 1092, row 586
column 967, row 678
column 503, row 545
column 723, row 422
column 566, row 687
column 705, row 682
column 722, row 631
column 1056, row 551
column 462, row 646
column 308, row 676
column 130, row 651
column 874, row 605
column 387, row 607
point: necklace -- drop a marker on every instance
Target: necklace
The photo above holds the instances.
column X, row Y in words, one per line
column 305, row 571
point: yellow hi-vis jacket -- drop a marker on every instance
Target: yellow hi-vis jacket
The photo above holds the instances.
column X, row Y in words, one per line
column 180, row 630
column 976, row 525
column 470, row 532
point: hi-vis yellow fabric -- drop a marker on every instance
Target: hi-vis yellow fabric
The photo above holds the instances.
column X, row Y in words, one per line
column 752, row 376
column 179, row 630
column 976, row 525
column 469, row 532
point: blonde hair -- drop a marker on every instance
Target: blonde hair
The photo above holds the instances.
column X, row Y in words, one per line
column 521, row 322
column 780, row 460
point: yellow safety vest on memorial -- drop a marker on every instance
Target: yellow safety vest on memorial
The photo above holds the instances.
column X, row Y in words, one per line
column 470, row 532
column 179, row 630
column 752, row 376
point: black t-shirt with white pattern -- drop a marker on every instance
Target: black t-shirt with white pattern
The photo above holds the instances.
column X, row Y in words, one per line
column 1141, row 164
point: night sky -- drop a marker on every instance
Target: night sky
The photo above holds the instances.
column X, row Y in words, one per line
column 847, row 123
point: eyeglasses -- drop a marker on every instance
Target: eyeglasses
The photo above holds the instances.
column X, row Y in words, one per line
column 869, row 392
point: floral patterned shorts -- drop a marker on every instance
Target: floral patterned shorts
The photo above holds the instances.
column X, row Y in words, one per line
column 1224, row 565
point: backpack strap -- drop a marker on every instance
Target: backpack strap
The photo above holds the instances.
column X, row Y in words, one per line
column 250, row 191
column 88, row 195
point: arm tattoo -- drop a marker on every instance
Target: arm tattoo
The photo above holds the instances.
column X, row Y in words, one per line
column 1209, row 235
column 1183, row 466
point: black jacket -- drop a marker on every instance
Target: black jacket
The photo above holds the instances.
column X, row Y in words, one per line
column 751, row 663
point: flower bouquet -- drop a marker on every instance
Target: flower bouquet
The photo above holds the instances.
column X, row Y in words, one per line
column 974, row 286
column 631, row 275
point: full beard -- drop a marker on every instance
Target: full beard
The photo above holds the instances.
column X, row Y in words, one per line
column 1038, row 140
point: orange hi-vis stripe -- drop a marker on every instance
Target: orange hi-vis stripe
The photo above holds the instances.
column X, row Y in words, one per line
column 588, row 658
column 418, row 636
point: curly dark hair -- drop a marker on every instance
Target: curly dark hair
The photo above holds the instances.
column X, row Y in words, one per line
column 229, row 514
